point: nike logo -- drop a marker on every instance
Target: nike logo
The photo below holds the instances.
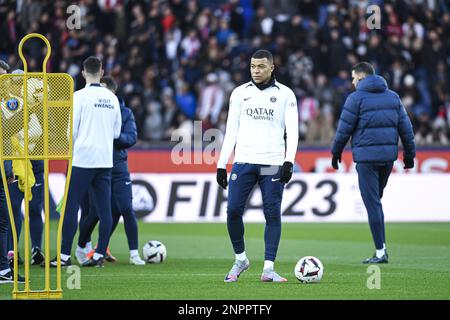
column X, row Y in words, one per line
column 38, row 184
column 245, row 99
column 275, row 179
column 128, row 182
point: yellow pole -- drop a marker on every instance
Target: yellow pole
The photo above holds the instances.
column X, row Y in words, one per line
column 8, row 204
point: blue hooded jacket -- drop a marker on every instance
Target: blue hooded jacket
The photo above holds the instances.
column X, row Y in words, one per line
column 374, row 117
column 128, row 134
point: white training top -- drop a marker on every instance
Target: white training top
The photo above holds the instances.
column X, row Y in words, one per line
column 257, row 122
column 96, row 123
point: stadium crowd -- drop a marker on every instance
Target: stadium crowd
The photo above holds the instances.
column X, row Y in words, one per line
column 178, row 60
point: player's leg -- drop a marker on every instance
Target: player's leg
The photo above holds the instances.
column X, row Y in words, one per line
column 385, row 172
column 36, row 223
column 122, row 205
column 272, row 193
column 369, row 185
column 80, row 181
column 101, row 186
column 87, row 225
column 6, row 273
column 243, row 178
column 16, row 197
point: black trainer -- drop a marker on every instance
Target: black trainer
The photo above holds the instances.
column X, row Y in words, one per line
column 54, row 263
column 94, row 263
column 9, row 278
column 36, row 256
column 374, row 259
column 11, row 261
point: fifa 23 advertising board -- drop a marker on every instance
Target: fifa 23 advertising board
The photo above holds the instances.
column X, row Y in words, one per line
column 307, row 198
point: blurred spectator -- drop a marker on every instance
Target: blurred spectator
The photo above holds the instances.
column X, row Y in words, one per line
column 153, row 130
column 211, row 101
column 186, row 101
column 191, row 44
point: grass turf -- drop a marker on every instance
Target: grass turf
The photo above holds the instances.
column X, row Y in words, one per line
column 199, row 256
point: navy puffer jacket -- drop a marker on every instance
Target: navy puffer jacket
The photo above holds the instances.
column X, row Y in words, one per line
column 374, row 117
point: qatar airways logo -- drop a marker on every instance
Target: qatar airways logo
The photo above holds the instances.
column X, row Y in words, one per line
column 260, row 113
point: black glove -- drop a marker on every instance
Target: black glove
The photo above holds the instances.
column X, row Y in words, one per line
column 222, row 178
column 286, row 172
column 409, row 163
column 335, row 160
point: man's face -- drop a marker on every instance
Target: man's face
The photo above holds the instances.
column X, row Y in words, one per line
column 261, row 70
column 356, row 77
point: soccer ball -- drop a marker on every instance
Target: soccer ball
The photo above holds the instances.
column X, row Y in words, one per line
column 154, row 252
column 308, row 269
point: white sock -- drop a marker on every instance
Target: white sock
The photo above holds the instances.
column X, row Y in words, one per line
column 384, row 246
column 3, row 272
column 80, row 248
column 380, row 253
column 97, row 256
column 64, row 257
column 134, row 253
column 241, row 256
column 268, row 264
column 88, row 246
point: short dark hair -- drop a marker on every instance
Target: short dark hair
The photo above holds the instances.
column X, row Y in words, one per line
column 110, row 83
column 92, row 65
column 364, row 67
column 261, row 54
column 4, row 65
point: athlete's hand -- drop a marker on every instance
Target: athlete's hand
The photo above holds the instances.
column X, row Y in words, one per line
column 222, row 178
column 409, row 163
column 286, row 172
column 335, row 160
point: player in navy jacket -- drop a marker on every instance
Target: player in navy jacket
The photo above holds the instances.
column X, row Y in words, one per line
column 6, row 272
column 121, row 200
column 374, row 117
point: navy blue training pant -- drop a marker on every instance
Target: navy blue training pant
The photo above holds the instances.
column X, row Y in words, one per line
column 35, row 208
column 4, row 227
column 121, row 204
column 372, row 179
column 98, row 182
column 243, row 178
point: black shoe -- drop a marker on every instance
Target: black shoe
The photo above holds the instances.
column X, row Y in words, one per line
column 374, row 259
column 36, row 257
column 9, row 278
column 54, row 263
column 94, row 263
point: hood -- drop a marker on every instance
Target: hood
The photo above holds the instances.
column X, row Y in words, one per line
column 373, row 83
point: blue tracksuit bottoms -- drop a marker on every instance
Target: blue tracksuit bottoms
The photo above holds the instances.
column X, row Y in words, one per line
column 98, row 182
column 243, row 178
column 372, row 179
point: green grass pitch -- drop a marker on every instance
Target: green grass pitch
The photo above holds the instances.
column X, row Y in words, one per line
column 199, row 256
